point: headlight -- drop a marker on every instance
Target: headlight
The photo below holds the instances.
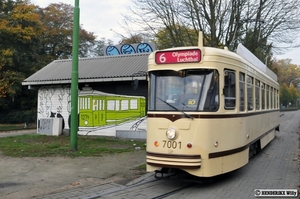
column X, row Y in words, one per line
column 171, row 133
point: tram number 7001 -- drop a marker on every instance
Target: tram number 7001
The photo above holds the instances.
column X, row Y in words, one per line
column 171, row 144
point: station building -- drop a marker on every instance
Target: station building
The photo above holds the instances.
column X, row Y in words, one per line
column 112, row 93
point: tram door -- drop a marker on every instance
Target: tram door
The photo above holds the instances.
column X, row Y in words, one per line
column 99, row 113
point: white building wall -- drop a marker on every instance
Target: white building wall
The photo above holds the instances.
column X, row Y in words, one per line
column 55, row 99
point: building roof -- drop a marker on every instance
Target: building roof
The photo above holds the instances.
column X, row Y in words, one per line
column 97, row 69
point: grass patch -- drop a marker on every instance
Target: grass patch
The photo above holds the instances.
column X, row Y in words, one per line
column 36, row 145
column 141, row 167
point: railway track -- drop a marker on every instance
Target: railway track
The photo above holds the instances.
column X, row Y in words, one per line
column 170, row 193
column 158, row 188
column 151, row 188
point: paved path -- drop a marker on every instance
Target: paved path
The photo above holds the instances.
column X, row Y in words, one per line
column 16, row 133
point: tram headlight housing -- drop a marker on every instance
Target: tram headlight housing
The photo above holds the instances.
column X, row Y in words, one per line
column 171, row 133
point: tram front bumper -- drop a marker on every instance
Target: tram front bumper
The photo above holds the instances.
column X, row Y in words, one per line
column 173, row 160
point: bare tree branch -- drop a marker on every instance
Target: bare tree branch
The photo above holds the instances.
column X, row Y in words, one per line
column 261, row 23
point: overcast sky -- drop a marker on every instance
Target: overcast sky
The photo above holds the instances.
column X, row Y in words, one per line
column 293, row 54
column 103, row 16
column 97, row 16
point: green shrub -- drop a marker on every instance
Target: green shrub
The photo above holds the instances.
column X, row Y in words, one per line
column 18, row 117
column 289, row 109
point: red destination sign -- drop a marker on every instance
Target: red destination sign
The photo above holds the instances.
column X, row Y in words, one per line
column 178, row 56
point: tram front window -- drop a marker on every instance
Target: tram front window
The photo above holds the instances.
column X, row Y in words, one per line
column 188, row 90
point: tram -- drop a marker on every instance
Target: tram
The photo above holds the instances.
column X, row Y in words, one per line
column 209, row 110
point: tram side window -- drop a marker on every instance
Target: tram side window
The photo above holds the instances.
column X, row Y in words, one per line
column 268, row 96
column 263, row 96
column 276, row 99
column 250, row 92
column 242, row 91
column 229, row 89
column 257, row 92
column 272, row 98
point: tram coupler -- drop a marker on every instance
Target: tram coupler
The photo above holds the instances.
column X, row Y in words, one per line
column 164, row 173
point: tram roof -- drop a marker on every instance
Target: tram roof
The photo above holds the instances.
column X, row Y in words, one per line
column 96, row 69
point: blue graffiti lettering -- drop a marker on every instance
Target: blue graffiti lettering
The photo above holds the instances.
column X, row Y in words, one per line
column 127, row 49
column 112, row 50
column 144, row 48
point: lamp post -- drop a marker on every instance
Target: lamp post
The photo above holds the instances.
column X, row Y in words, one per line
column 74, row 79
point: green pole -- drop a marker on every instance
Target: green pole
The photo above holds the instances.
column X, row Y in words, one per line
column 74, row 81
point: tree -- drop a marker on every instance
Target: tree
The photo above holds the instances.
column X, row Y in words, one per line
column 261, row 50
column 20, row 29
column 257, row 23
column 56, row 41
column 30, row 38
column 293, row 93
column 286, row 71
column 288, row 77
column 284, row 95
column 288, row 95
column 165, row 35
column 98, row 49
column 132, row 39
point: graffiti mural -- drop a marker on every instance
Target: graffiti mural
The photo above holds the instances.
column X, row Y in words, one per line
column 112, row 50
column 54, row 102
column 130, row 49
column 144, row 48
column 98, row 114
column 104, row 114
column 45, row 101
column 127, row 49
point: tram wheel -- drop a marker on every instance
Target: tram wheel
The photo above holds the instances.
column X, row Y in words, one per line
column 254, row 149
column 251, row 151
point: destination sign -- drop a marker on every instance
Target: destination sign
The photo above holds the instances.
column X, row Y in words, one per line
column 178, row 56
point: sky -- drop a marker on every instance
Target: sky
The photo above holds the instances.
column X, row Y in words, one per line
column 293, row 54
column 103, row 18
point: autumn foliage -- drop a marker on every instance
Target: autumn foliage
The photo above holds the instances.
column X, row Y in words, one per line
column 30, row 38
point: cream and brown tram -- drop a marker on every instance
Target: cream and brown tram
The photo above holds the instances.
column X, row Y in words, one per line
column 209, row 109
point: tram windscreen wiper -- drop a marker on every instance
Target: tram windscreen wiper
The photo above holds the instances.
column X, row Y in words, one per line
column 187, row 115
